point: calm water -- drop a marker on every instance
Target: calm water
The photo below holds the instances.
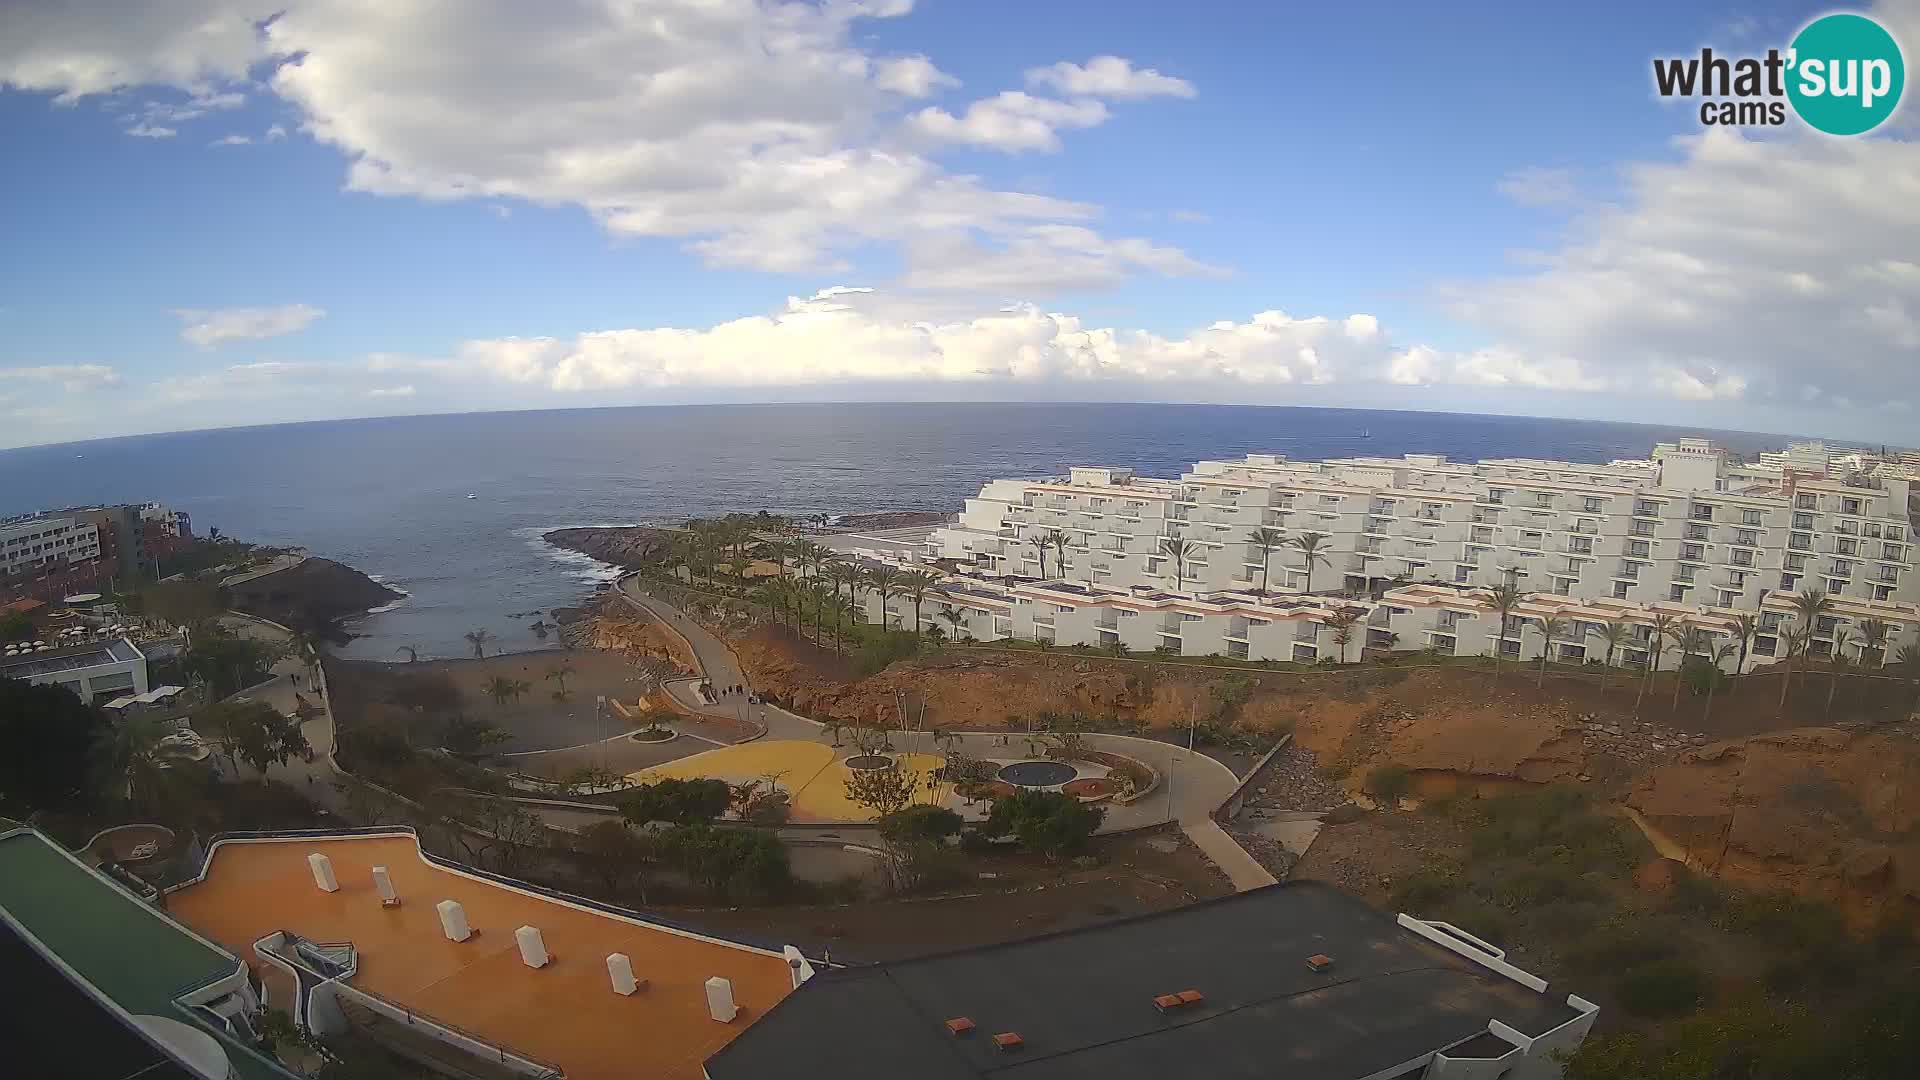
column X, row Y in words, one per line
column 389, row 496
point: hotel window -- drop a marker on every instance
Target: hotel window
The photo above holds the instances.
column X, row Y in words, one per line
column 1678, row 592
column 1692, row 552
column 1894, row 533
column 1889, row 573
column 1741, row 558
column 1845, row 547
column 1841, row 568
column 1806, row 502
column 1542, row 498
column 1771, row 620
column 1461, row 574
column 1836, row 586
column 1800, row 541
column 1702, row 513
column 1883, row 592
column 1746, row 537
column 1826, row 624
column 1496, row 495
column 1849, row 506
column 1789, row 582
column 1594, row 504
column 1696, row 532
column 1726, row 598
column 1749, row 517
column 1645, row 507
column 1643, row 528
column 1619, row 590
column 1683, row 573
column 1640, row 548
column 1892, row 551
column 1803, row 521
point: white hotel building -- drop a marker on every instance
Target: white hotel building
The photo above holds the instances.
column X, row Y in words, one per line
column 1685, row 532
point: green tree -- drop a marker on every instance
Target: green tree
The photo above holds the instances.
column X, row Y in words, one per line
column 128, row 763
column 1504, row 598
column 1041, row 543
column 1060, row 540
column 1268, row 541
column 468, row 738
column 956, row 621
column 1660, row 629
column 1179, row 550
column 1309, row 544
column 1341, row 622
column 1809, row 606
column 731, row 864
column 915, row 839
column 559, row 674
column 1615, row 634
column 884, row 580
column 1688, row 639
column 1551, row 627
column 1047, row 822
column 1838, row 663
column 1746, row 626
column 503, row 689
column 478, row 639
column 16, row 627
column 252, row 732
column 882, row 791
column 676, row 801
column 914, row 586
column 47, row 736
column 618, row 857
column 1873, row 642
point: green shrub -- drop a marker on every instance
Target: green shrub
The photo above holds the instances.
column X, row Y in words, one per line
column 1423, row 891
column 1479, row 918
column 1532, row 886
column 1663, row 988
column 1783, row 920
column 1616, row 948
column 1046, row 822
column 1388, row 783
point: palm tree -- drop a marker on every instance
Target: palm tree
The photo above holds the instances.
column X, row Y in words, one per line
column 1907, row 658
column 840, row 572
column 1041, row 543
column 1268, row 541
column 502, row 689
column 1686, row 637
column 1797, row 640
column 1660, row 628
column 1713, row 683
column 1808, row 606
column 955, row 619
column 1309, row 545
column 1873, row 642
column 1504, row 597
column 914, row 585
column 1551, row 626
column 1059, row 539
column 885, row 580
column 1179, row 551
column 1615, row 634
column 410, row 652
column 1342, row 622
column 1838, row 663
column 1746, row 626
column 478, row 639
column 559, row 674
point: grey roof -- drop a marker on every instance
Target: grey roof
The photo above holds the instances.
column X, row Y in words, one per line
column 1082, row 1001
column 91, row 654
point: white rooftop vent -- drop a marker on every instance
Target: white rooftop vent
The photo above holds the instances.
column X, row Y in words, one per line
column 453, row 920
column 533, row 949
column 322, row 868
column 383, row 884
column 720, row 1004
column 620, row 972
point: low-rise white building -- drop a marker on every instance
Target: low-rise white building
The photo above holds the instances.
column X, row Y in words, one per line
column 97, row 671
column 1211, row 562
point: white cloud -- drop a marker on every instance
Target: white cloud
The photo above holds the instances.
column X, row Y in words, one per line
column 151, row 131
column 74, row 378
column 846, row 337
column 1538, row 186
column 276, row 132
column 1043, row 258
column 403, row 391
column 1747, row 267
column 207, row 327
column 1010, row 121
column 758, row 135
column 911, row 76
column 1190, row 217
column 232, row 140
column 1109, row 77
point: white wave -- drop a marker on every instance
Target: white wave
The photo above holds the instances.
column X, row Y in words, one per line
column 578, row 565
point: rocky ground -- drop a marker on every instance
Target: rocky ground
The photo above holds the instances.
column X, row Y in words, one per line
column 316, row 592
column 629, row 546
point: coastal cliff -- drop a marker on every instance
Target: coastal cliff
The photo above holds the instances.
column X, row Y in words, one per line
column 315, row 592
column 629, row 546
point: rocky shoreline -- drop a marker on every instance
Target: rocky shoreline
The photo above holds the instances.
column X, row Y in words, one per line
column 313, row 592
column 627, row 546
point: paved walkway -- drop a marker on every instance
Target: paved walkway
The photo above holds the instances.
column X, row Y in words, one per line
column 1227, row 854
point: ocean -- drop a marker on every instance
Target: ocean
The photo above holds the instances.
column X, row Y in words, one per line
column 389, row 496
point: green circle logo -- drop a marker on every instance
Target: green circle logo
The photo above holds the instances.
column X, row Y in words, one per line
column 1846, row 74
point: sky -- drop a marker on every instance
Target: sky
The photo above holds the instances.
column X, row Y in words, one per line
column 226, row 212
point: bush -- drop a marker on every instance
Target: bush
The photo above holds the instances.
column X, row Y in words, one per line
column 1046, row 822
column 679, row 802
column 731, row 864
column 1663, row 988
column 1424, row 890
column 1532, row 886
column 1388, row 783
column 1784, row 920
column 1616, row 948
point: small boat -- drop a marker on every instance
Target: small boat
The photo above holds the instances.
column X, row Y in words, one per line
column 471, row 495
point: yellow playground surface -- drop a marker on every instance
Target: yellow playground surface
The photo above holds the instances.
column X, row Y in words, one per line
column 811, row 773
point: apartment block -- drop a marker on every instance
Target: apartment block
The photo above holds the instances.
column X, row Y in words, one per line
column 1102, row 556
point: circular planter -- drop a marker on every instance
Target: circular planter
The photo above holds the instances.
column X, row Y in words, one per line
column 1037, row 774
column 995, row 789
column 1089, row 787
column 868, row 762
column 655, row 735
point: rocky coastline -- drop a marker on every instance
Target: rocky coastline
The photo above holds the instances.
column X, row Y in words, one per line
column 314, row 592
column 627, row 546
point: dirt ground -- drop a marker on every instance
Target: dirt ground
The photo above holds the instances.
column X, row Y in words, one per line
column 1142, row 872
column 536, row 721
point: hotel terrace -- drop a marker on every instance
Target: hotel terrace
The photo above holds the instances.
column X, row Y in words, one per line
column 1416, row 542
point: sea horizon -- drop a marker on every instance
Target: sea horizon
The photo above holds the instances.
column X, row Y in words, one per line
column 388, row 495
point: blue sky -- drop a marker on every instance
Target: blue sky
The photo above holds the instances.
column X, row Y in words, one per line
column 1478, row 206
